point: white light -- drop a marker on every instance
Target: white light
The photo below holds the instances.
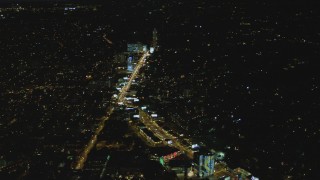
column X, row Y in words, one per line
column 195, row 146
column 151, row 50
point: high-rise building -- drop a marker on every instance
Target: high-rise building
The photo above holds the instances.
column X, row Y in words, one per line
column 203, row 163
column 206, row 165
column 155, row 38
column 136, row 48
column 130, row 64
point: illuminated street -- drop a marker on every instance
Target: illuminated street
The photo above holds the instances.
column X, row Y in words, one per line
column 87, row 149
column 134, row 74
column 162, row 134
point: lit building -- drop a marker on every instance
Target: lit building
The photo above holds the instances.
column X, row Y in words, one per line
column 206, row 165
column 154, row 44
column 155, row 38
column 203, row 164
column 136, row 48
column 132, row 51
column 130, row 64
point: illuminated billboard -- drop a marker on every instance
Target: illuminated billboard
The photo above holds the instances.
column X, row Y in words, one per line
column 206, row 165
column 161, row 161
column 170, row 156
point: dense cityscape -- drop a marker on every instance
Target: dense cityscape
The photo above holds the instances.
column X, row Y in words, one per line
column 159, row 89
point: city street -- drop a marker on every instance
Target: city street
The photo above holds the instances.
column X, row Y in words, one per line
column 162, row 134
column 122, row 94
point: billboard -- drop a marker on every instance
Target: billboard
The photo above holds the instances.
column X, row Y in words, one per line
column 170, row 156
column 206, row 165
column 161, row 161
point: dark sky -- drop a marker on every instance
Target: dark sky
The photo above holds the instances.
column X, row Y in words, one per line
column 32, row 1
column 13, row 1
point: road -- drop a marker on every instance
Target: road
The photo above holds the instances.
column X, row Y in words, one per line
column 147, row 120
column 93, row 140
column 104, row 167
column 134, row 74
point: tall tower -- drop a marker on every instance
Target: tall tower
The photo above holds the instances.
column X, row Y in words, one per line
column 155, row 38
